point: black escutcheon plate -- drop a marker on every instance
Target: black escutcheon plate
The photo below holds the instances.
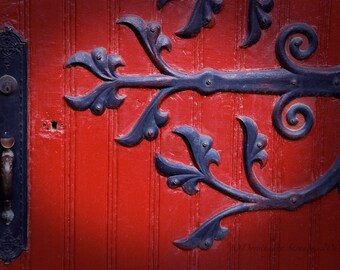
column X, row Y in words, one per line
column 13, row 124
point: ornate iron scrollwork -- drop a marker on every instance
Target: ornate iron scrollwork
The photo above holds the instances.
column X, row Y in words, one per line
column 202, row 155
column 202, row 16
column 289, row 82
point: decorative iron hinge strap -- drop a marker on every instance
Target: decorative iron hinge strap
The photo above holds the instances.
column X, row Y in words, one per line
column 290, row 82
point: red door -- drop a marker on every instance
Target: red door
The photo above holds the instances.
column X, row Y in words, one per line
column 97, row 204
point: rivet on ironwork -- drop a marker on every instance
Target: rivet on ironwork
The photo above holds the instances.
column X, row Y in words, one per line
column 153, row 29
column 293, row 199
column 293, row 82
column 99, row 107
column 175, row 182
column 150, row 133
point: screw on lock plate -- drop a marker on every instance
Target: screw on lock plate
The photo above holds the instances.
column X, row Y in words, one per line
column 8, row 84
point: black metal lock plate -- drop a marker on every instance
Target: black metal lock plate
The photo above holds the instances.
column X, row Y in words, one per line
column 13, row 126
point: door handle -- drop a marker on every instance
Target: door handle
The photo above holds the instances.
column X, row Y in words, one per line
column 7, row 159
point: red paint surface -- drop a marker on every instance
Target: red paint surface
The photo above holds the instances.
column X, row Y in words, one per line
column 97, row 205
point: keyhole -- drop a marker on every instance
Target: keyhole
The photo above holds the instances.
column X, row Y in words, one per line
column 7, row 88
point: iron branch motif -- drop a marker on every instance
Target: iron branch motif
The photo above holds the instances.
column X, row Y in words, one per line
column 203, row 15
column 202, row 155
column 290, row 82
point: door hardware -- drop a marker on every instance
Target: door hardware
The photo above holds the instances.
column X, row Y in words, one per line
column 13, row 149
column 8, row 84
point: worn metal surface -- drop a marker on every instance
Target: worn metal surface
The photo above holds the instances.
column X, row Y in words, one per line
column 202, row 155
column 13, row 134
column 290, row 82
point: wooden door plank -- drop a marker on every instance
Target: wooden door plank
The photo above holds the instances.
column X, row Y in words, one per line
column 92, row 25
column 47, row 143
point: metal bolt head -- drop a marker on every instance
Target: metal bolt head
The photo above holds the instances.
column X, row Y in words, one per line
column 175, row 182
column 150, row 133
column 208, row 82
column 293, row 199
column 207, row 243
column 99, row 107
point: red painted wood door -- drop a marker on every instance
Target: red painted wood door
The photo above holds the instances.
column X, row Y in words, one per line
column 97, row 205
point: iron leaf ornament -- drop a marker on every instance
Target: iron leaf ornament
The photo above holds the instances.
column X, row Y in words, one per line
column 258, row 20
column 203, row 15
column 202, row 155
column 104, row 67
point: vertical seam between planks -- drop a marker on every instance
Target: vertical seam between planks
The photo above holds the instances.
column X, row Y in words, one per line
column 199, row 105
column 324, row 6
column 67, row 141
column 241, row 26
column 68, row 154
column 277, row 147
column 194, row 203
column 151, row 186
column 109, row 191
column 233, row 250
column 116, row 162
column 115, row 148
column 73, row 137
column 156, row 185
